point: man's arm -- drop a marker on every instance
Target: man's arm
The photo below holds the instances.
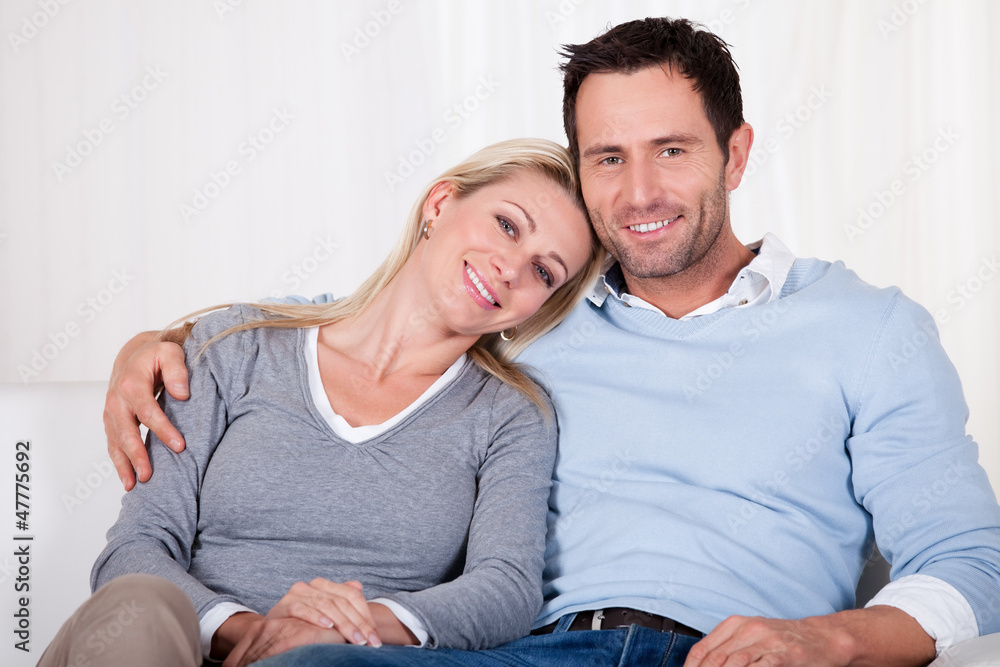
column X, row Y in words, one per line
column 879, row 636
column 934, row 513
column 146, row 363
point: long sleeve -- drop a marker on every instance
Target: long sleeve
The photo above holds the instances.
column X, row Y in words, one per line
column 497, row 596
column 157, row 527
column 916, row 470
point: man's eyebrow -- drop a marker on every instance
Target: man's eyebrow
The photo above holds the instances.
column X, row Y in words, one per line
column 531, row 222
column 676, row 138
column 601, row 149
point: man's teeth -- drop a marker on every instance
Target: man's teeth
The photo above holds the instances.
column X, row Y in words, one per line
column 479, row 286
column 650, row 226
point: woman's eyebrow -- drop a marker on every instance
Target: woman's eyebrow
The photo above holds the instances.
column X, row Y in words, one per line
column 531, row 228
column 554, row 255
column 531, row 222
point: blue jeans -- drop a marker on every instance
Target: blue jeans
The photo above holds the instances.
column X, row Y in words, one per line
column 626, row 647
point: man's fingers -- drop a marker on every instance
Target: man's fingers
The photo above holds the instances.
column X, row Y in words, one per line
column 125, row 446
column 130, row 444
column 124, row 467
column 722, row 633
column 173, row 372
column 121, row 462
column 149, row 413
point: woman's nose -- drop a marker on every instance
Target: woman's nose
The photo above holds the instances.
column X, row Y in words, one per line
column 508, row 268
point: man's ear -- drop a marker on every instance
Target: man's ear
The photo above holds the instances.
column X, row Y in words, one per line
column 739, row 153
column 436, row 198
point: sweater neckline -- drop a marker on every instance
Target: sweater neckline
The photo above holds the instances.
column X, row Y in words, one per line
column 319, row 403
column 654, row 323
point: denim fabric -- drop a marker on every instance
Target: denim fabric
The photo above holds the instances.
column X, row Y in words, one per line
column 627, row 647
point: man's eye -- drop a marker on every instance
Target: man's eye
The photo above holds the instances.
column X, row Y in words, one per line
column 507, row 226
column 544, row 275
column 611, row 160
column 673, row 152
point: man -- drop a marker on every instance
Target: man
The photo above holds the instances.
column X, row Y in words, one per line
column 736, row 424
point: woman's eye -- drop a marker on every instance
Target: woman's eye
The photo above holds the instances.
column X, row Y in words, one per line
column 507, row 226
column 544, row 275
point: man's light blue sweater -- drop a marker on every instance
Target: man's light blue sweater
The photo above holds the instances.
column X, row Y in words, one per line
column 742, row 462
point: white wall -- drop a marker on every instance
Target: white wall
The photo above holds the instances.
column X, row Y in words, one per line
column 886, row 81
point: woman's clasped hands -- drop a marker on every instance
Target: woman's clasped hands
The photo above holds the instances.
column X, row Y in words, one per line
column 320, row 611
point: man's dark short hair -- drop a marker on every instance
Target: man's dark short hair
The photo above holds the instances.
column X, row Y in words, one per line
column 683, row 46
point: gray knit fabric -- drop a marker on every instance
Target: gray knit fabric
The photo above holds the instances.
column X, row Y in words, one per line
column 443, row 513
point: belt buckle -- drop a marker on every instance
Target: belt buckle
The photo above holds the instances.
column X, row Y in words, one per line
column 597, row 620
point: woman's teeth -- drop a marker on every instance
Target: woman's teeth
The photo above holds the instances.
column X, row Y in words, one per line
column 479, row 286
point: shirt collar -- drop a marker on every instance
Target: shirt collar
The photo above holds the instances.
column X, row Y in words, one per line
column 764, row 275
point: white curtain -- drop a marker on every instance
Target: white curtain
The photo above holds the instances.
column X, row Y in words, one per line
column 157, row 157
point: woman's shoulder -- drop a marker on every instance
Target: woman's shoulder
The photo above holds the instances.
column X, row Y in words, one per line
column 227, row 335
column 218, row 321
column 506, row 401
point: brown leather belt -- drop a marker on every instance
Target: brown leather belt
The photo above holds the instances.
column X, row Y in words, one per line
column 621, row 617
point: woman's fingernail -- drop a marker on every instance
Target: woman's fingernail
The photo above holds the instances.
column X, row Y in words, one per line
column 359, row 638
column 327, row 623
column 373, row 640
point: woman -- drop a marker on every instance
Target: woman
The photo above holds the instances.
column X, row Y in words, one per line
column 384, row 441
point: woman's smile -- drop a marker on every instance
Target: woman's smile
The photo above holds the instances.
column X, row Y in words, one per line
column 480, row 290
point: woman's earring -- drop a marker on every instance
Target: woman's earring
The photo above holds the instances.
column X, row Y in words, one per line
column 506, row 336
column 427, row 229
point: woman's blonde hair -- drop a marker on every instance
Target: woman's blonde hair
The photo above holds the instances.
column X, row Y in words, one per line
column 487, row 166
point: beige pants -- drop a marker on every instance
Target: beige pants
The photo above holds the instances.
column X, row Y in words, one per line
column 134, row 620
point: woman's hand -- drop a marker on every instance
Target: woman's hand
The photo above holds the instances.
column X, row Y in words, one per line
column 263, row 638
column 327, row 604
column 143, row 365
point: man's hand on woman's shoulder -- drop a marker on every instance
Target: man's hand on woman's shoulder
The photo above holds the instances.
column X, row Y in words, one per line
column 145, row 364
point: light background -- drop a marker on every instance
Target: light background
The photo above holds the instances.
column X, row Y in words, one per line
column 843, row 96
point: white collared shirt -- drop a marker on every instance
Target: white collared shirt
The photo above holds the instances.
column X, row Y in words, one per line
column 758, row 282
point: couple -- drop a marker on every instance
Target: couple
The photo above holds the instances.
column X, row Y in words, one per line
column 742, row 506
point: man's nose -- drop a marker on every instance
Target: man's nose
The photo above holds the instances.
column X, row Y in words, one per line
column 642, row 184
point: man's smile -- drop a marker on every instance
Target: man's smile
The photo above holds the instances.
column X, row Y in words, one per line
column 652, row 226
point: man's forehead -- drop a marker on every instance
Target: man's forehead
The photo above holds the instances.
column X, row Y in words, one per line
column 609, row 104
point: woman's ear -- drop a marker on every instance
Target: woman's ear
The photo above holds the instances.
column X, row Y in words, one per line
column 438, row 195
